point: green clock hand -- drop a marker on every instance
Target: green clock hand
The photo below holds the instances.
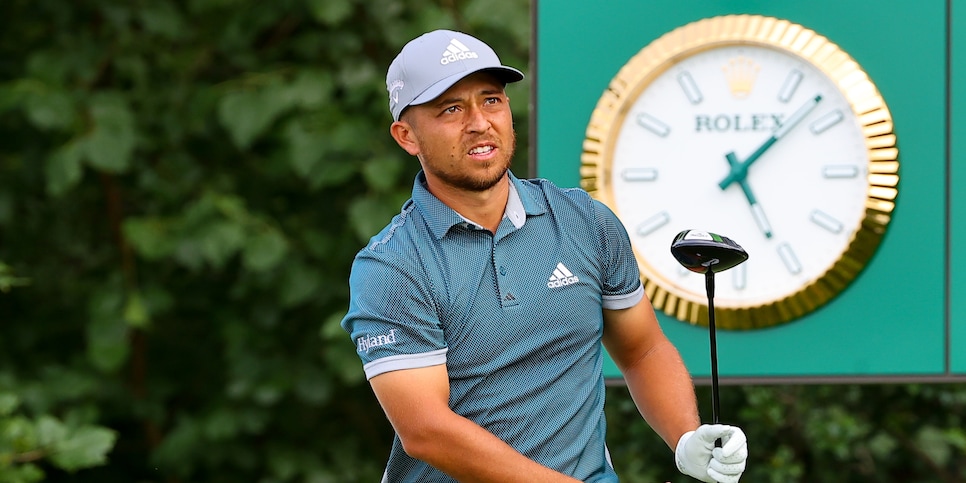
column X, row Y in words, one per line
column 740, row 170
column 756, row 211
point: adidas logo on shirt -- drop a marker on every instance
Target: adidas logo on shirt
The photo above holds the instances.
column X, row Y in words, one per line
column 561, row 277
column 456, row 50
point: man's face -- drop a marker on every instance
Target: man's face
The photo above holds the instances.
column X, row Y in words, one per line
column 464, row 138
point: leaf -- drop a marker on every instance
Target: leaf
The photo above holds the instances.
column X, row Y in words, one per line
column 311, row 88
column 241, row 114
column 24, row 473
column 330, row 12
column 932, row 442
column 87, row 446
column 264, row 249
column 50, row 109
column 9, row 280
column 332, row 172
column 299, row 284
column 312, row 385
column 882, row 444
column 382, row 173
column 49, row 66
column 111, row 143
column 368, row 216
column 305, row 149
column 956, row 437
column 285, row 464
column 189, row 254
column 220, row 425
column 19, row 433
column 162, row 19
column 502, row 15
column 8, row 403
column 346, row 135
column 135, row 312
column 107, row 342
column 230, row 206
column 179, row 445
column 246, row 114
column 10, row 96
column 332, row 328
column 220, row 240
column 63, row 169
column 150, row 237
column 50, row 431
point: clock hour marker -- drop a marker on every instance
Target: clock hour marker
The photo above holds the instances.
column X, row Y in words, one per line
column 653, row 223
column 789, row 259
column 639, row 174
column 690, row 88
column 826, row 121
column 840, row 171
column 739, row 277
column 761, row 219
column 791, row 84
column 651, row 123
column 826, row 221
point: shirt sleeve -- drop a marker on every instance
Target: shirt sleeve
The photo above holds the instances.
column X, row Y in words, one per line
column 622, row 287
column 392, row 316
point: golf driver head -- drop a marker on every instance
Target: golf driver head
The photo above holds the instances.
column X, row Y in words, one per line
column 701, row 251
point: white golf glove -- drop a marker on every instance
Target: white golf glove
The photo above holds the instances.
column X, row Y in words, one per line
column 696, row 455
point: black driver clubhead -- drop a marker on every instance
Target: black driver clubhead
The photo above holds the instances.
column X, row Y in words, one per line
column 701, row 251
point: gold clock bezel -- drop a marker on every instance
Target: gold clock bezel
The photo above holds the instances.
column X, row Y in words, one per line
column 867, row 104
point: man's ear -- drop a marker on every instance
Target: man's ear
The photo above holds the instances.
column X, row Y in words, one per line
column 403, row 133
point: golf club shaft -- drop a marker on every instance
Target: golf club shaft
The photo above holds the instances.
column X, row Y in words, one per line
column 715, row 404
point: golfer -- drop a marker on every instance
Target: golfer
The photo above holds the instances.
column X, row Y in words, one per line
column 479, row 311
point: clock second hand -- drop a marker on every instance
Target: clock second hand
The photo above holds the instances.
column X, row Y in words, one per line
column 756, row 211
column 739, row 170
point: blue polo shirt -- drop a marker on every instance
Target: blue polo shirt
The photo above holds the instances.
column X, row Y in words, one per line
column 515, row 316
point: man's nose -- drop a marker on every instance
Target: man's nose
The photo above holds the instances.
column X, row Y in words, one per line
column 476, row 120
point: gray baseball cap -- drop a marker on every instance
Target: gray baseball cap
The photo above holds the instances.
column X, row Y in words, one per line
column 433, row 62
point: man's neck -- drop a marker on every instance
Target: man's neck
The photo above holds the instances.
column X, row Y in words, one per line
column 485, row 208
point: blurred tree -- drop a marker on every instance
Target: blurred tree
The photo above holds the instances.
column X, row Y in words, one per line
column 183, row 185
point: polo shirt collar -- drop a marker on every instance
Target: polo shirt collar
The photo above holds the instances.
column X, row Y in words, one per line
column 523, row 201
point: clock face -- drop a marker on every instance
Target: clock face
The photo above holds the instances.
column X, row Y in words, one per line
column 754, row 140
column 810, row 185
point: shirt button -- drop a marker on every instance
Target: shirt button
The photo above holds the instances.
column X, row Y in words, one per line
column 502, row 270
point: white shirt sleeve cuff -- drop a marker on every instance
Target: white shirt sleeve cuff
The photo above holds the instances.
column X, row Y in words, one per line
column 404, row 361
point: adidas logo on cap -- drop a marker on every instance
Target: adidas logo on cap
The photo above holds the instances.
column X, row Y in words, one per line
column 456, row 50
column 431, row 63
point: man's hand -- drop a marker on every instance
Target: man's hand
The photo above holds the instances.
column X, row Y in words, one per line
column 696, row 455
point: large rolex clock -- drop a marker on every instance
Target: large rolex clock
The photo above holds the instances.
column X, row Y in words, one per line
column 758, row 129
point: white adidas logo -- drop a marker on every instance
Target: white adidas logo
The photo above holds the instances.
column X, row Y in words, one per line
column 456, row 50
column 561, row 277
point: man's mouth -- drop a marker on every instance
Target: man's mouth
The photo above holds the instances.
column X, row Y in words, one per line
column 481, row 150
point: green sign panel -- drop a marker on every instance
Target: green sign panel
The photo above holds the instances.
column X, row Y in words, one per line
column 957, row 195
column 903, row 315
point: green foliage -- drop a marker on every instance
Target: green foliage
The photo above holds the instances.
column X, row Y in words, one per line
column 183, row 185
column 840, row 433
column 68, row 446
column 9, row 280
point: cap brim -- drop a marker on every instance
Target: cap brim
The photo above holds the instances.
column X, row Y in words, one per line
column 506, row 74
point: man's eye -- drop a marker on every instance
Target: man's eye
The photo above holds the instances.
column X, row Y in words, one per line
column 451, row 109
